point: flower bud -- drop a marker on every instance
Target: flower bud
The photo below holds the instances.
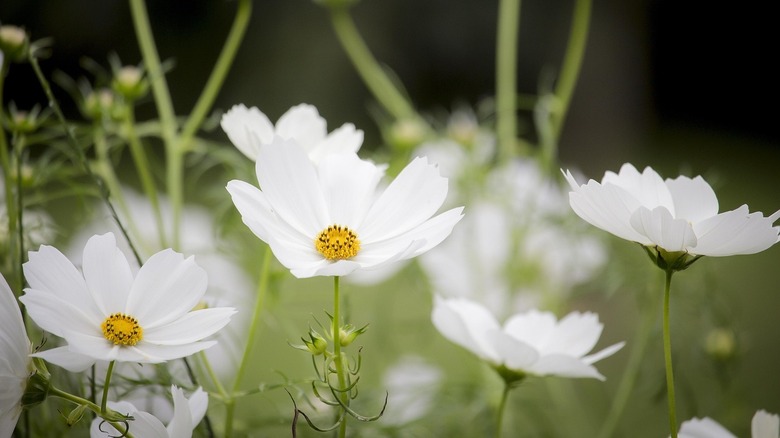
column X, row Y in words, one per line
column 407, row 134
column 348, row 333
column 76, row 415
column 721, row 344
column 14, row 43
column 130, row 83
column 37, row 390
column 25, row 122
column 99, row 104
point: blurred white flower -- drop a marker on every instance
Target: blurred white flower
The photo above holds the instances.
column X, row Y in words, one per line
column 331, row 220
column 411, row 384
column 108, row 313
column 763, row 425
column 187, row 413
column 675, row 215
column 249, row 128
column 15, row 365
column 529, row 343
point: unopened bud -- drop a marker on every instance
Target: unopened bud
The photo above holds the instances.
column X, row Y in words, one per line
column 407, row 134
column 348, row 333
column 130, row 83
column 13, row 43
column 721, row 344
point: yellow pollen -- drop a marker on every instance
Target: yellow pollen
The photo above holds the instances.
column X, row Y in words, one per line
column 122, row 329
column 337, row 243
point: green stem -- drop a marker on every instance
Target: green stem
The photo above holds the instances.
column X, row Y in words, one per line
column 55, row 392
column 337, row 355
column 106, row 385
column 10, row 204
column 262, row 290
column 18, row 146
column 668, row 357
column 506, row 73
column 144, row 174
column 375, row 78
column 218, row 74
column 502, row 409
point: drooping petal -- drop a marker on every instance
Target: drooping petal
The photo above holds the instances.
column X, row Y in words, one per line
column 609, row 351
column 167, row 286
column 65, row 358
column 765, row 425
column 467, row 324
column 247, row 128
column 191, row 327
column 673, row 235
column 290, row 183
column 703, row 428
column 348, row 186
column 735, row 232
column 181, row 424
column 346, row 139
column 694, row 199
column 303, row 124
column 107, row 273
column 49, row 270
column 413, row 197
column 564, row 366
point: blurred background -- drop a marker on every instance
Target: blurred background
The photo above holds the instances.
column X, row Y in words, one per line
column 686, row 87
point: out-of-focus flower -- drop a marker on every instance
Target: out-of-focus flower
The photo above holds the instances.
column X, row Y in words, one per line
column 676, row 216
column 15, row 364
column 763, row 425
column 249, row 129
column 108, row 313
column 14, row 44
column 529, row 343
column 330, row 219
column 187, row 413
column 412, row 385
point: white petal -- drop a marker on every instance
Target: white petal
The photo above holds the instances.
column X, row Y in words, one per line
column 303, row 124
column 65, row 358
column 703, row 428
column 14, row 344
column 327, row 268
column 694, row 199
column 662, row 229
column 9, row 418
column 609, row 351
column 167, row 286
column 291, row 186
column 648, row 187
column 107, row 273
column 160, row 353
column 467, row 324
column 348, row 186
column 181, row 425
column 514, row 354
column 413, row 197
column 765, row 425
column 191, row 327
column 247, row 129
column 534, row 328
column 346, row 139
column 735, row 232
column 55, row 315
column 564, row 366
column 49, row 270
column 198, row 404
column 574, row 335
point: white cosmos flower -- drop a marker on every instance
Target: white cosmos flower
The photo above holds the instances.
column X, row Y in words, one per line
column 330, row 219
column 249, row 128
column 187, row 413
column 15, row 366
column 109, row 313
column 529, row 343
column 676, row 215
column 763, row 425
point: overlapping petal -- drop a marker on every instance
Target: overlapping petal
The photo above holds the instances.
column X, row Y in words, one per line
column 161, row 298
column 14, row 360
column 677, row 215
column 529, row 343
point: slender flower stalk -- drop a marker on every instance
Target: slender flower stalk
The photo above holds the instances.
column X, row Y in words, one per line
column 106, row 386
column 506, row 77
column 668, row 356
column 502, row 409
column 338, row 359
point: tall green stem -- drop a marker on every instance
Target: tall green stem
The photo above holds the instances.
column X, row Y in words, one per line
column 337, row 355
column 375, row 78
column 262, row 290
column 106, row 386
column 668, row 357
column 506, row 73
column 502, row 409
column 56, row 392
column 218, row 74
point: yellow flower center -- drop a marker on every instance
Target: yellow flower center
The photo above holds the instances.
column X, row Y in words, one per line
column 122, row 329
column 337, row 243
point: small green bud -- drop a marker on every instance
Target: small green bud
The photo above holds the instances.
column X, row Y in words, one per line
column 348, row 333
column 25, row 122
column 76, row 415
column 315, row 345
column 14, row 43
column 407, row 134
column 130, row 83
column 37, row 390
column 721, row 344
column 99, row 103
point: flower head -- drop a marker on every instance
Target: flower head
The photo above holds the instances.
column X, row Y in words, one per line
column 529, row 343
column 15, row 363
column 249, row 129
column 330, row 219
column 674, row 215
column 187, row 413
column 763, row 425
column 109, row 313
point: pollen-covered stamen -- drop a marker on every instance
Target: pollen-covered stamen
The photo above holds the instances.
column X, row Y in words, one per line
column 122, row 329
column 337, row 243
